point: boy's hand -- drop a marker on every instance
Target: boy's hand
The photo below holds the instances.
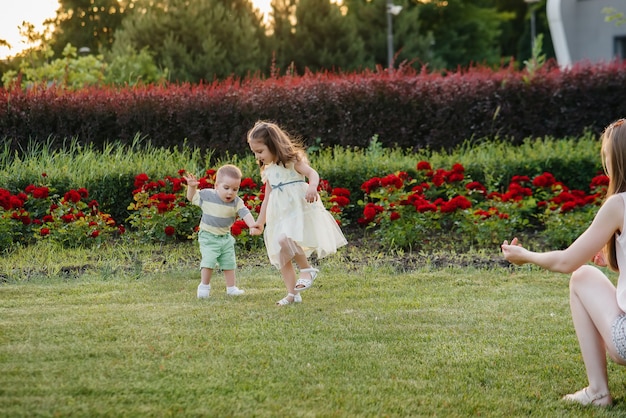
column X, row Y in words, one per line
column 191, row 180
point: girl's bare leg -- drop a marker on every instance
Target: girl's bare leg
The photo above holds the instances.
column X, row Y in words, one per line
column 289, row 249
column 302, row 262
column 289, row 277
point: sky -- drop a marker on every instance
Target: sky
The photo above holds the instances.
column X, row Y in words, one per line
column 13, row 13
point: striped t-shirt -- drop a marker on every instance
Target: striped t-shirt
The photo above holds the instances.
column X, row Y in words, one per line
column 217, row 215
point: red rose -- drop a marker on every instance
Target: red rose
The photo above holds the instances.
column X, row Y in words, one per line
column 72, row 196
column 140, row 180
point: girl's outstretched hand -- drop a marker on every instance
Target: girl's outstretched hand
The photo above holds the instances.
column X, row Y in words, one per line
column 514, row 252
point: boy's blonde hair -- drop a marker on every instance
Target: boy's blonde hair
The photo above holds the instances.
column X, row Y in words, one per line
column 228, row 170
column 287, row 149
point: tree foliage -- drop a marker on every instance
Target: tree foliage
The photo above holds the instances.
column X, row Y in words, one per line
column 73, row 71
column 203, row 40
column 465, row 32
column 314, row 35
column 199, row 40
column 613, row 15
column 410, row 42
column 87, row 24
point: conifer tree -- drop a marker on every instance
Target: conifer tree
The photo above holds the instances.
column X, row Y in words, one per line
column 199, row 40
column 410, row 42
column 314, row 35
column 465, row 32
column 86, row 24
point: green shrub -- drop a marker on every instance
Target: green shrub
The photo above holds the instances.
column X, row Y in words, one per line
column 40, row 213
column 160, row 211
column 109, row 176
column 560, row 230
column 444, row 206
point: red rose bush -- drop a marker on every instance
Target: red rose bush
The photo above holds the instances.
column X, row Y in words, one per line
column 439, row 207
column 39, row 213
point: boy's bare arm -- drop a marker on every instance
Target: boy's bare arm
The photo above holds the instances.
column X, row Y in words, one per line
column 249, row 220
column 192, row 185
column 255, row 229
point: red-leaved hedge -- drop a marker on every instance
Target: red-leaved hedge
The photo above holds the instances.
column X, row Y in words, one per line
column 406, row 109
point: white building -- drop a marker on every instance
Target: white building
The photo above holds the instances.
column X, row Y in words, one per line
column 580, row 32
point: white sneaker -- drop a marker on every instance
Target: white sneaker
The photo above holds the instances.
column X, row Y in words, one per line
column 297, row 298
column 203, row 291
column 234, row 291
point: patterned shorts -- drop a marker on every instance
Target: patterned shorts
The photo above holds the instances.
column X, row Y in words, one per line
column 618, row 331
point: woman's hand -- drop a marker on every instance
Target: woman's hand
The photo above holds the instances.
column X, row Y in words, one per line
column 599, row 259
column 514, row 252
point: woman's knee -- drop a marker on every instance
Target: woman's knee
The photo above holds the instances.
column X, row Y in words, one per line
column 616, row 358
column 582, row 274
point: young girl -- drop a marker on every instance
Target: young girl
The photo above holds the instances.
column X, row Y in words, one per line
column 296, row 222
column 597, row 306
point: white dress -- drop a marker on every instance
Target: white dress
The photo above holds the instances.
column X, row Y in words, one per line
column 289, row 215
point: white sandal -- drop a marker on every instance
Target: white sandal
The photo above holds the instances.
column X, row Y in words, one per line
column 285, row 301
column 582, row 397
column 306, row 283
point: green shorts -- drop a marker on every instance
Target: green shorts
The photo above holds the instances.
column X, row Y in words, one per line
column 217, row 250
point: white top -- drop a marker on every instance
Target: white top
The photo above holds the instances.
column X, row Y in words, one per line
column 620, row 249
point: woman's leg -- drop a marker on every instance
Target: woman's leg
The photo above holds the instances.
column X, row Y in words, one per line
column 594, row 307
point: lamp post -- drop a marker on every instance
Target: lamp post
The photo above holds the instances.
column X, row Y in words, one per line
column 533, row 31
column 392, row 9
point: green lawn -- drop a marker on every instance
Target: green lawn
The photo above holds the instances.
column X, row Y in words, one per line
column 371, row 339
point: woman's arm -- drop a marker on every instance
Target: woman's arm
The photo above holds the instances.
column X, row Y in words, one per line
column 607, row 221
